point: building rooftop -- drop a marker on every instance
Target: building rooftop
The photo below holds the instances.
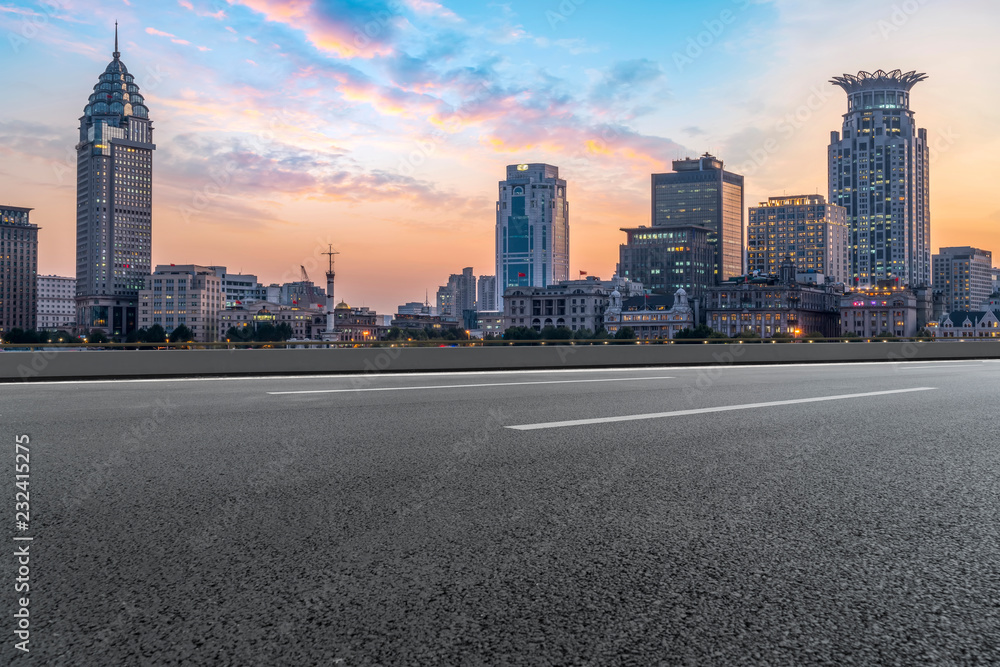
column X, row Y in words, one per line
column 878, row 80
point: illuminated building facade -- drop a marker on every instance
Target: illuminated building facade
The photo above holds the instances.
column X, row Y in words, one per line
column 964, row 276
column 884, row 309
column 700, row 192
column 657, row 317
column 878, row 171
column 766, row 306
column 812, row 232
column 114, row 202
column 665, row 260
column 18, row 269
column 532, row 230
column 189, row 294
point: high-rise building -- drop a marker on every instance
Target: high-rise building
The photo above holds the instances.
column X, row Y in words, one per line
column 995, row 273
column 964, row 276
column 19, row 270
column 532, row 232
column 56, row 303
column 183, row 294
column 458, row 295
column 114, row 202
column 878, row 171
column 700, row 192
column 486, row 294
column 804, row 227
column 666, row 260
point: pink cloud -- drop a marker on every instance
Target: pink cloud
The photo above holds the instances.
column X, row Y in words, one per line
column 327, row 33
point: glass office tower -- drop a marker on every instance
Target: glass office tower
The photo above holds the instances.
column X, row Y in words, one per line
column 532, row 232
column 701, row 193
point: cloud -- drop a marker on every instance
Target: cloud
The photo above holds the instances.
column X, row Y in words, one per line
column 173, row 38
column 344, row 28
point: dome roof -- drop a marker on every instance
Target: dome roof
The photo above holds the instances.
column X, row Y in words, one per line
column 342, row 304
column 116, row 93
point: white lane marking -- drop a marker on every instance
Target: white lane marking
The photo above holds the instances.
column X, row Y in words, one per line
column 700, row 411
column 461, row 386
column 931, row 368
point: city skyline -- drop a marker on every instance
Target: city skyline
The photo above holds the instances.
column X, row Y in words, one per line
column 373, row 119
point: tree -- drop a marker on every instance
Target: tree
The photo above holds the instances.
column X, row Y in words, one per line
column 925, row 333
column 700, row 332
column 815, row 334
column 556, row 333
column 266, row 333
column 521, row 333
column 583, row 333
column 625, row 333
column 181, row 334
column 885, row 335
column 416, row 334
column 97, row 336
column 284, row 331
column 748, row 334
column 156, row 334
column 394, row 333
column 601, row 334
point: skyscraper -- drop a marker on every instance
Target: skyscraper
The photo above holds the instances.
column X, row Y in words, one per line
column 532, row 233
column 700, row 192
column 18, row 270
column 878, row 171
column 114, row 202
column 805, row 227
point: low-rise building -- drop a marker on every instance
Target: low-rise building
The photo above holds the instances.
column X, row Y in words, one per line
column 574, row 304
column 767, row 306
column 881, row 310
column 656, row 317
column 357, row 325
column 970, row 324
column 56, row 303
column 489, row 323
column 305, row 323
column 186, row 294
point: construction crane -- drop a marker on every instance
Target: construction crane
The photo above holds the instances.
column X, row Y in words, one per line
column 305, row 276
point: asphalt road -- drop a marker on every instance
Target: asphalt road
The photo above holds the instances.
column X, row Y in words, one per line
column 400, row 520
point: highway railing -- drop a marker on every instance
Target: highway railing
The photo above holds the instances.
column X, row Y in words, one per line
column 233, row 345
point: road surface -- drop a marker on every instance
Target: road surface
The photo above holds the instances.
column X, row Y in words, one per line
column 832, row 514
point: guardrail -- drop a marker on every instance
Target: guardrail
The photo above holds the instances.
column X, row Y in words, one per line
column 307, row 344
column 45, row 363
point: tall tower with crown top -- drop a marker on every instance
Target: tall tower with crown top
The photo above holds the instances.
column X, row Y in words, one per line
column 114, row 202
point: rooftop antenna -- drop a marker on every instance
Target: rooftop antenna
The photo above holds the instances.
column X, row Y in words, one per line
column 116, row 54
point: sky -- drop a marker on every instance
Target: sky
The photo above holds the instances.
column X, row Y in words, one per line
column 382, row 127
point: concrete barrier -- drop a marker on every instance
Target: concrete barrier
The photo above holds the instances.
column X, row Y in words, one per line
column 44, row 365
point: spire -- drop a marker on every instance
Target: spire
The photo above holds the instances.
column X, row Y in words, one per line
column 116, row 54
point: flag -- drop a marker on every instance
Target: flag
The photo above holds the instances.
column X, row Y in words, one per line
column 583, row 273
column 522, row 275
column 239, row 303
